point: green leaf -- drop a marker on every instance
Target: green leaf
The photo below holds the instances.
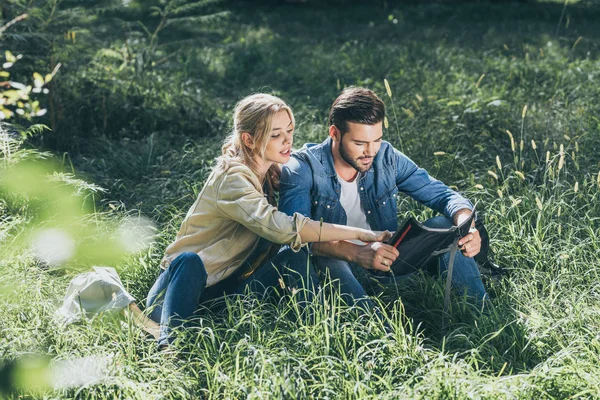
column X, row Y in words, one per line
column 193, row 8
column 9, row 57
column 38, row 79
column 110, row 53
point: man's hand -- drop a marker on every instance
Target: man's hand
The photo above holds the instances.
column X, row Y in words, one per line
column 376, row 255
column 470, row 245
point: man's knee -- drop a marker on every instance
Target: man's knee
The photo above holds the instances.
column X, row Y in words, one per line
column 468, row 264
column 332, row 263
column 336, row 270
column 439, row 222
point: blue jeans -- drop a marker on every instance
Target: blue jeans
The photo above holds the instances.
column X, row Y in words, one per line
column 465, row 276
column 177, row 292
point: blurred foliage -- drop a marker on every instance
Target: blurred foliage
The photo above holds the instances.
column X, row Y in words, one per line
column 53, row 209
column 56, row 212
column 29, row 374
column 15, row 97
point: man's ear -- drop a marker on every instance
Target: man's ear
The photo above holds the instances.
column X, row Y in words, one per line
column 334, row 133
column 248, row 140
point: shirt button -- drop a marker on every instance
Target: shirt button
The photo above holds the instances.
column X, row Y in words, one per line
column 316, row 202
column 328, row 206
column 384, row 203
column 362, row 188
column 369, row 212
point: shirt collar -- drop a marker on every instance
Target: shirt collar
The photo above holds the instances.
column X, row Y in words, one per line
column 327, row 158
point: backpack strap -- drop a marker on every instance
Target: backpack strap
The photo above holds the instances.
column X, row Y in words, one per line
column 453, row 251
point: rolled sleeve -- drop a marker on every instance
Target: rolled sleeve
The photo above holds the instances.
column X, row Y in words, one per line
column 239, row 200
column 299, row 222
column 419, row 185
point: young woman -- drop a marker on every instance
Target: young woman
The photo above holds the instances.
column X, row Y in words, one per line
column 219, row 248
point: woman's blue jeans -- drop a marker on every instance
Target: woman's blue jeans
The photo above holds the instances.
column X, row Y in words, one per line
column 178, row 291
column 465, row 276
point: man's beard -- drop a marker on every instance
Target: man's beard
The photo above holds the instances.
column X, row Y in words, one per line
column 354, row 163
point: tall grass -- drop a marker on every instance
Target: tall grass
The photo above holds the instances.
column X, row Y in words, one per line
column 495, row 105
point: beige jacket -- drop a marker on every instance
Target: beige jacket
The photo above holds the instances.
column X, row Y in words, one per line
column 227, row 220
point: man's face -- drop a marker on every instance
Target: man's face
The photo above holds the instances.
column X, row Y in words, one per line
column 360, row 144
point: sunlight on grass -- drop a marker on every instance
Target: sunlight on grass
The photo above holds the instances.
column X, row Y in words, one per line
column 498, row 100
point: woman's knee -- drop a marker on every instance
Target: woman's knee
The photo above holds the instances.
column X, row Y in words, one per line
column 192, row 266
column 291, row 259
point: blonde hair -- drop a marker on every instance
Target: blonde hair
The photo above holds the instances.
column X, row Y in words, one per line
column 254, row 115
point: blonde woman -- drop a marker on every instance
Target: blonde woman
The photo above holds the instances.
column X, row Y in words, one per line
column 219, row 248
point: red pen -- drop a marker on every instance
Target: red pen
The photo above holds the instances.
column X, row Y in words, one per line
column 402, row 236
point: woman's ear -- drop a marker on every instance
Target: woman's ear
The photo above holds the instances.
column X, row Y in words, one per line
column 248, row 140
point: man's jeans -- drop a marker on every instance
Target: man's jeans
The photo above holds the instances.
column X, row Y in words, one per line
column 179, row 289
column 465, row 275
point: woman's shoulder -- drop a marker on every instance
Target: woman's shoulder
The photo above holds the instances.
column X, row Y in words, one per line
column 235, row 174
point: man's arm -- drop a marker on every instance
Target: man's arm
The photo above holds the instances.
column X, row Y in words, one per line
column 294, row 196
column 374, row 255
column 418, row 184
column 462, row 215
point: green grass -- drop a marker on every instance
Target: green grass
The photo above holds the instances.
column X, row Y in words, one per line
column 540, row 340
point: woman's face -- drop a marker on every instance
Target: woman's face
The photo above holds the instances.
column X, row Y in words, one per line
column 279, row 147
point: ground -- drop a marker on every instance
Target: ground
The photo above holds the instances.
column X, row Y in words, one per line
column 496, row 99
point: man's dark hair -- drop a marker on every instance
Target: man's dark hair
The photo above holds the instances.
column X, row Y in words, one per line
column 358, row 105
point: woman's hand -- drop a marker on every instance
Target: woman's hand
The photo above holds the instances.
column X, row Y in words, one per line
column 370, row 236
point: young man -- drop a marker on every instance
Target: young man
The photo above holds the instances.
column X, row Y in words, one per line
column 352, row 178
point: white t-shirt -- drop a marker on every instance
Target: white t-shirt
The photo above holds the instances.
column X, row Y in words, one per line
column 350, row 200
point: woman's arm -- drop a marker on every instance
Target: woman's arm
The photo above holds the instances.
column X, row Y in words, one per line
column 239, row 200
column 315, row 231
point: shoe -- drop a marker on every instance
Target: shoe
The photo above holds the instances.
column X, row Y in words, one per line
column 491, row 271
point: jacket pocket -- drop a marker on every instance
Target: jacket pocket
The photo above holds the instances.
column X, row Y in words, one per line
column 324, row 207
column 386, row 204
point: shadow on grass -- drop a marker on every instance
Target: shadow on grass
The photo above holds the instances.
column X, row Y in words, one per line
column 355, row 44
column 493, row 340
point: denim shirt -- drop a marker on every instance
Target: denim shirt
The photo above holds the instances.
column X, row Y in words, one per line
column 309, row 185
